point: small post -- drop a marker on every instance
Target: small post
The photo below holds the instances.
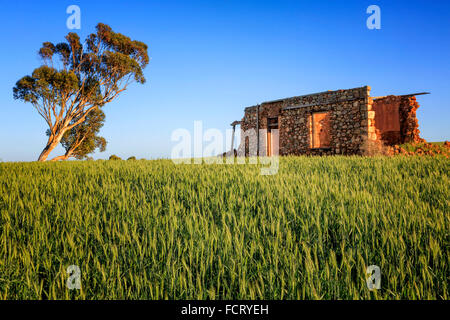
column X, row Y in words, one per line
column 257, row 131
column 233, row 124
column 232, row 139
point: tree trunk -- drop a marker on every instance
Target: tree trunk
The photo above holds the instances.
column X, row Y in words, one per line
column 64, row 157
column 53, row 141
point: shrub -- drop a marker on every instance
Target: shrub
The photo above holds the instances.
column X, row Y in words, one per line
column 114, row 157
column 132, row 158
column 374, row 148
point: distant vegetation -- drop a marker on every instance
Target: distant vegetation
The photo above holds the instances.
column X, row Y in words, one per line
column 155, row 230
column 132, row 158
column 114, row 157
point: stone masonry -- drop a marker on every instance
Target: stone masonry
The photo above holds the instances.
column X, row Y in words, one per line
column 327, row 123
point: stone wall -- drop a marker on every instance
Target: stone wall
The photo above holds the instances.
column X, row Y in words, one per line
column 354, row 122
column 348, row 114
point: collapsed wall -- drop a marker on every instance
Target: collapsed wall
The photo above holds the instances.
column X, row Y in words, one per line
column 395, row 120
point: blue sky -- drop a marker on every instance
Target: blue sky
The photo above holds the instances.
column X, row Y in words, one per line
column 210, row 59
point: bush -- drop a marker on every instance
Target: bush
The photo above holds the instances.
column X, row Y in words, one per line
column 372, row 148
column 132, row 158
column 114, row 157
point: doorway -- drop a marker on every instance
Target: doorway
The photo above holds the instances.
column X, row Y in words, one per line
column 272, row 138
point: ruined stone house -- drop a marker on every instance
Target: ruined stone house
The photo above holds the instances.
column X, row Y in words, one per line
column 327, row 123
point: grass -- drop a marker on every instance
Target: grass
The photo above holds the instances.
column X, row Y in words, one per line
column 155, row 230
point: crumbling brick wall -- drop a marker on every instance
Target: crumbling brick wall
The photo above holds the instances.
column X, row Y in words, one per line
column 395, row 120
column 408, row 121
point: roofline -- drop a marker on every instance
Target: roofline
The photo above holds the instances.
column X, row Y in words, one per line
column 330, row 91
column 305, row 95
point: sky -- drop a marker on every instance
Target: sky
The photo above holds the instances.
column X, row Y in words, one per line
column 211, row 59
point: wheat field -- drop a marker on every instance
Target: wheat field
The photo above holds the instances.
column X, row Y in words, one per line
column 155, row 230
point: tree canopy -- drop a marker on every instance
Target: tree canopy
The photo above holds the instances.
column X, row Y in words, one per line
column 76, row 79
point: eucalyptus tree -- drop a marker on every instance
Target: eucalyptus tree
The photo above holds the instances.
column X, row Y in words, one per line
column 75, row 79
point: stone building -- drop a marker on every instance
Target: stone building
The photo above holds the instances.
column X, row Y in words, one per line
column 326, row 123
